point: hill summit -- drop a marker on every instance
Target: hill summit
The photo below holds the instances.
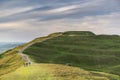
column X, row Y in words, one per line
column 80, row 33
column 78, row 48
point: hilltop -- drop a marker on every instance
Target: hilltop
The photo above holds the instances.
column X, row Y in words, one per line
column 81, row 49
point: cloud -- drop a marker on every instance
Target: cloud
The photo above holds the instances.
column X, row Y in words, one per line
column 101, row 24
column 9, row 12
column 62, row 9
column 52, row 11
column 24, row 20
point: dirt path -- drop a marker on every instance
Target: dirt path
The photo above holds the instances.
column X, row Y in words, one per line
column 24, row 56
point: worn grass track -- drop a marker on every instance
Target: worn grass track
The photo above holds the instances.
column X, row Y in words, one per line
column 55, row 72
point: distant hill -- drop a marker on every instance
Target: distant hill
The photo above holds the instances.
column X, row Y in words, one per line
column 79, row 48
column 8, row 45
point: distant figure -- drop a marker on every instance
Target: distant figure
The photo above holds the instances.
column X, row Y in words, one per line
column 27, row 64
column 27, row 61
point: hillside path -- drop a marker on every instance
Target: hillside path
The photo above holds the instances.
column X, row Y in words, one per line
column 24, row 56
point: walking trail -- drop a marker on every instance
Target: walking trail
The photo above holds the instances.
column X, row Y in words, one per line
column 24, row 56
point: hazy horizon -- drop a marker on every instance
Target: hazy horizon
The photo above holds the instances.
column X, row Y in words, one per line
column 24, row 20
column 4, row 46
column 47, row 35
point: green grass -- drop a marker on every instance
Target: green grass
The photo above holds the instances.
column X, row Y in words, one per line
column 10, row 61
column 35, row 72
column 81, row 49
column 79, row 33
column 55, row 72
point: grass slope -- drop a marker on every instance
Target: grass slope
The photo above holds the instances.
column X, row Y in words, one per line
column 10, row 61
column 55, row 72
column 81, row 49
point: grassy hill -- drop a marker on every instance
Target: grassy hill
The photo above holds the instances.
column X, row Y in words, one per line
column 88, row 54
column 79, row 48
column 12, row 60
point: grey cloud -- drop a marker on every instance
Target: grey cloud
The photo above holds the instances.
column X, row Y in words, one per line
column 46, row 16
column 95, row 7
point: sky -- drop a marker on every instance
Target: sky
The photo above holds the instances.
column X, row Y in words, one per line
column 24, row 20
